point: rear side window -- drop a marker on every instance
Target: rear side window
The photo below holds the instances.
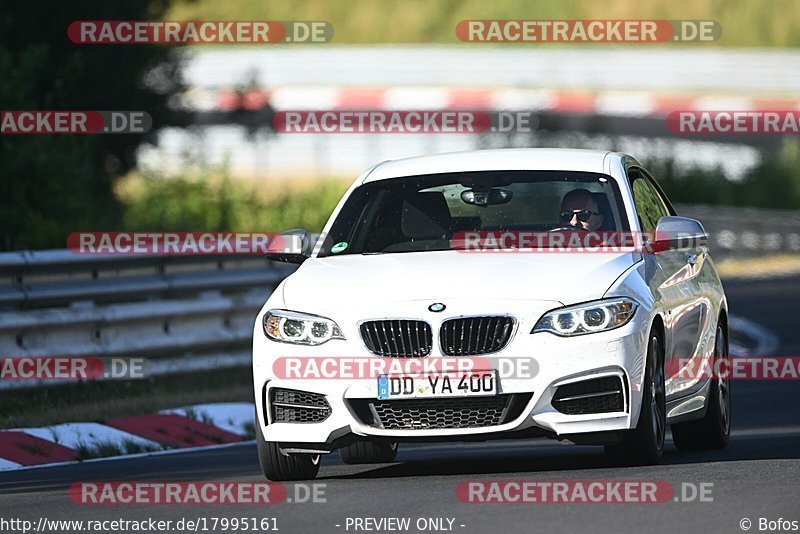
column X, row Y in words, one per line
column 649, row 205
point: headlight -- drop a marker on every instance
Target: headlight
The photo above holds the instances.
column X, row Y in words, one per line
column 587, row 318
column 299, row 328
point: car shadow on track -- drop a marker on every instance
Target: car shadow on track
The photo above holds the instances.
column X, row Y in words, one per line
column 460, row 460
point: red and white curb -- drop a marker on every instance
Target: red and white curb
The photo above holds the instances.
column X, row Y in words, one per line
column 613, row 103
column 201, row 425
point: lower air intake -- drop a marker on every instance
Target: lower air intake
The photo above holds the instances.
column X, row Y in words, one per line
column 291, row 406
column 598, row 395
column 425, row 414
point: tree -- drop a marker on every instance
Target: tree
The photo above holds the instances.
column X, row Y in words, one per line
column 52, row 185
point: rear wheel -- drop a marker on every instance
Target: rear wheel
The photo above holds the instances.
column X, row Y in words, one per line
column 713, row 431
column 369, row 452
column 278, row 466
column 644, row 445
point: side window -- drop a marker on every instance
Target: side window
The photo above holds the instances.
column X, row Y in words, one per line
column 649, row 205
column 661, row 207
column 665, row 203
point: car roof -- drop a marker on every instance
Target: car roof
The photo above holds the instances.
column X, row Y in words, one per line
column 509, row 159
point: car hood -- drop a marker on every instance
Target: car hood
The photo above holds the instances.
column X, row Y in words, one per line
column 439, row 275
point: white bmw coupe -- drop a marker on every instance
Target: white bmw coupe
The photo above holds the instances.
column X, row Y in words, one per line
column 432, row 262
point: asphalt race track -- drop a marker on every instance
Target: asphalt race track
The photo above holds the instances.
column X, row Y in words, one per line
column 757, row 476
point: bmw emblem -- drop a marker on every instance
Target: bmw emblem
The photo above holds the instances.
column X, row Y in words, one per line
column 436, row 307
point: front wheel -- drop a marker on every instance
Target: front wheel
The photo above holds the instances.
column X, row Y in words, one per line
column 644, row 445
column 713, row 431
column 278, row 466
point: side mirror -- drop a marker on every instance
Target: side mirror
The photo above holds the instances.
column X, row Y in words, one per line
column 677, row 233
column 291, row 246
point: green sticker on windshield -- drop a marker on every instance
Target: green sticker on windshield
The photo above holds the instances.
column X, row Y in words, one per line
column 338, row 247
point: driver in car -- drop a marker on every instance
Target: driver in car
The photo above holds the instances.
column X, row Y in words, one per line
column 579, row 209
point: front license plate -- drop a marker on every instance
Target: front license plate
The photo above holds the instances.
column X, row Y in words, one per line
column 472, row 384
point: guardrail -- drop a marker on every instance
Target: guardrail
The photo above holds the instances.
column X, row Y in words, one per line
column 736, row 232
column 56, row 302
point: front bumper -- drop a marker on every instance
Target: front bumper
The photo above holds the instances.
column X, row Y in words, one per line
column 556, row 362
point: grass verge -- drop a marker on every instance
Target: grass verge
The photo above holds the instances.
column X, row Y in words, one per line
column 765, row 267
column 97, row 401
column 108, row 449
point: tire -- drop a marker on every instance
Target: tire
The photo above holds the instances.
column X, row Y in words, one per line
column 644, row 445
column 369, row 452
column 279, row 467
column 713, row 431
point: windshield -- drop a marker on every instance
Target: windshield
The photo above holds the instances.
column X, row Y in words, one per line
column 419, row 213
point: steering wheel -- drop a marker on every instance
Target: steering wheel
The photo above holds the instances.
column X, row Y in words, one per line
column 569, row 228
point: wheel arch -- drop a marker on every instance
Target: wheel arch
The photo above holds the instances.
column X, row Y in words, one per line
column 657, row 325
column 723, row 322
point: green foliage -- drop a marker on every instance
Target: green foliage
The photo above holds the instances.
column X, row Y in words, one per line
column 745, row 23
column 53, row 184
column 215, row 203
column 773, row 183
